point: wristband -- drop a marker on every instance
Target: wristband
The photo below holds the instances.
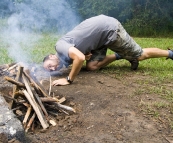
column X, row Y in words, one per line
column 68, row 79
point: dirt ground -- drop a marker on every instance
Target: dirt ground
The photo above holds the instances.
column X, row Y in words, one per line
column 107, row 111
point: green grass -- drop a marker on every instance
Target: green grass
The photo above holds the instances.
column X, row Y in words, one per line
column 158, row 67
column 36, row 51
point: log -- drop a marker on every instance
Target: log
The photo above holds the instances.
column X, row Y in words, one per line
column 37, row 110
column 17, row 83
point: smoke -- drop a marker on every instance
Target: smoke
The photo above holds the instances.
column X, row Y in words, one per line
column 28, row 19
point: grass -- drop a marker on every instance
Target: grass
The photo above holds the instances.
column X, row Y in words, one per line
column 36, row 51
column 158, row 72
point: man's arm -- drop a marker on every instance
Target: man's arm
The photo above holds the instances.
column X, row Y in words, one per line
column 78, row 59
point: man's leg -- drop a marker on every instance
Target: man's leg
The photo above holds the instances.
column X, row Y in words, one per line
column 99, row 59
column 155, row 53
column 95, row 65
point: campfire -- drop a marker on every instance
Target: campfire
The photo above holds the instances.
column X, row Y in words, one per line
column 30, row 100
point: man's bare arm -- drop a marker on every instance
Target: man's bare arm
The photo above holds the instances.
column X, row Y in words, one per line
column 78, row 59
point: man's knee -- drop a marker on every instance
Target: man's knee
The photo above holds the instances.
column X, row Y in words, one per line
column 91, row 68
column 144, row 55
column 92, row 65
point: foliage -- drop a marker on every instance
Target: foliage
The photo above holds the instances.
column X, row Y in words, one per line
column 151, row 17
column 139, row 17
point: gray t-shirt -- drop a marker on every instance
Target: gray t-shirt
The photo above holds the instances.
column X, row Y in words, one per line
column 91, row 34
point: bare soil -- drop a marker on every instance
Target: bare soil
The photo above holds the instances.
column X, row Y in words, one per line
column 108, row 111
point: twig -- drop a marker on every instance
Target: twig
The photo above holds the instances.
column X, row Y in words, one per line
column 45, row 99
column 37, row 85
column 27, row 116
column 50, row 85
column 16, row 108
column 15, row 87
column 10, row 68
column 41, row 105
column 64, row 107
column 167, row 139
column 30, row 122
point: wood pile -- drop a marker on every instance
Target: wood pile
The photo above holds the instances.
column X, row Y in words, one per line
column 31, row 100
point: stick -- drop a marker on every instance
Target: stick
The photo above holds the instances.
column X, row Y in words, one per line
column 16, row 108
column 50, row 85
column 44, row 99
column 52, row 113
column 33, row 126
column 37, row 85
column 27, row 86
column 50, row 99
column 37, row 110
column 17, row 83
column 10, row 67
column 168, row 139
column 65, row 107
column 13, row 99
column 30, row 122
column 36, row 96
column 60, row 100
column 50, row 106
column 41, row 105
column 27, row 116
column 64, row 111
column 15, row 87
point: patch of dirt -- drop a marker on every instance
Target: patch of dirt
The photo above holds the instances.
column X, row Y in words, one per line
column 108, row 111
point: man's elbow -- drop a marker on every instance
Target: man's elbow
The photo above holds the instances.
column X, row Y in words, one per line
column 81, row 58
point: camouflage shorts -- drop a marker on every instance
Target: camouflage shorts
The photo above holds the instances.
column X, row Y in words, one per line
column 124, row 45
column 98, row 55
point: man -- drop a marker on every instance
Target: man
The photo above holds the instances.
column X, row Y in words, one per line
column 89, row 41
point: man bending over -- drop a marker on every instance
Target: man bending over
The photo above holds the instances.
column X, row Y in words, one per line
column 90, row 40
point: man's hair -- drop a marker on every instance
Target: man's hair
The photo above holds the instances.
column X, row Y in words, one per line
column 47, row 57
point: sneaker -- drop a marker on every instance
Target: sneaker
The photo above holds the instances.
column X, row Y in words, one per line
column 134, row 64
column 167, row 57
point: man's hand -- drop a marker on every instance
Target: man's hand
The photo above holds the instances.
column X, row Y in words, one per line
column 62, row 81
column 88, row 56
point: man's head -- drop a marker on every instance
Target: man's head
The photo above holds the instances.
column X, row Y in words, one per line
column 51, row 62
